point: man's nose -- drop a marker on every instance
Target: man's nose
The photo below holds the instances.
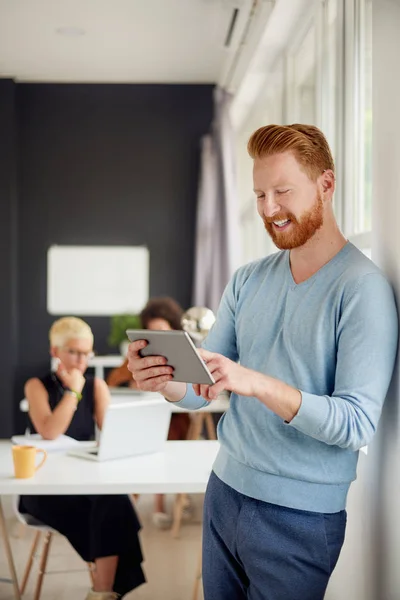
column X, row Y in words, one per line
column 270, row 206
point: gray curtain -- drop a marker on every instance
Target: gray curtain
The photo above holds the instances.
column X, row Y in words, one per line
column 217, row 250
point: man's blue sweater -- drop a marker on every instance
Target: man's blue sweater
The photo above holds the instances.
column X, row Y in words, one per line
column 333, row 337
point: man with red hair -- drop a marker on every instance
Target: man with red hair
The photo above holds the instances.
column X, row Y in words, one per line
column 305, row 340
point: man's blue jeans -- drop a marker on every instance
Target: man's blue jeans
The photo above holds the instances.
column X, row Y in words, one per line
column 254, row 550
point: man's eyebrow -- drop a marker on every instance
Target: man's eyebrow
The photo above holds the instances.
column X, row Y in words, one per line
column 278, row 184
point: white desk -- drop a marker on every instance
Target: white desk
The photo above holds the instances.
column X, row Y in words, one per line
column 183, row 467
column 220, row 405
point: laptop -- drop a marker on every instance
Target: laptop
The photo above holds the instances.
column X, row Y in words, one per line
column 130, row 429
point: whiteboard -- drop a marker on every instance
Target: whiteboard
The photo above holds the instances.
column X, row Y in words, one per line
column 97, row 280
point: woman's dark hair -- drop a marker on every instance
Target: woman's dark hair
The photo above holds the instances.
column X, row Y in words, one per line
column 162, row 308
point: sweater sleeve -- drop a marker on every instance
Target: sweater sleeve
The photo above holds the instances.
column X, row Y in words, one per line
column 221, row 339
column 367, row 339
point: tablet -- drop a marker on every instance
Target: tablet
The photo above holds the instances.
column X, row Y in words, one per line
column 178, row 349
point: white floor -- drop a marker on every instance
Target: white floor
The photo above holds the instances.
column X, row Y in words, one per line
column 170, row 564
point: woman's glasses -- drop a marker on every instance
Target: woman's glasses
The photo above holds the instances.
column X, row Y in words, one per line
column 78, row 354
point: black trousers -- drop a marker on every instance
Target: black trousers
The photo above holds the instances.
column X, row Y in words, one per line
column 96, row 527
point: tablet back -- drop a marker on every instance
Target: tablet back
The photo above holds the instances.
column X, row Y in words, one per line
column 178, row 349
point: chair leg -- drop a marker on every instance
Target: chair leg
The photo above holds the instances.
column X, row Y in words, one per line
column 212, row 435
column 29, row 564
column 91, row 567
column 7, row 548
column 43, row 564
column 179, row 505
column 197, row 427
column 197, row 580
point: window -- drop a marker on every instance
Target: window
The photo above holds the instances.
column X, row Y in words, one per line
column 325, row 78
column 328, row 75
column 304, row 67
column 358, row 221
column 363, row 220
column 301, row 73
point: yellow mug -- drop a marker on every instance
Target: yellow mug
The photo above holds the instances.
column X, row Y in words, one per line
column 24, row 458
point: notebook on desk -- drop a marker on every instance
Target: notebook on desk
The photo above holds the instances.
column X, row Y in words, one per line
column 61, row 444
column 130, row 429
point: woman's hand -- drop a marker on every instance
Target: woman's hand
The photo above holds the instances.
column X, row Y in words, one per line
column 72, row 379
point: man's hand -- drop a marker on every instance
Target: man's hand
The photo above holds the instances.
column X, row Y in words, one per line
column 151, row 373
column 282, row 399
column 227, row 374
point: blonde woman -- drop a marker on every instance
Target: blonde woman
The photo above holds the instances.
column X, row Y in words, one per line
column 102, row 529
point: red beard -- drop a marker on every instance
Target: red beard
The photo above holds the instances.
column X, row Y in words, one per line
column 299, row 231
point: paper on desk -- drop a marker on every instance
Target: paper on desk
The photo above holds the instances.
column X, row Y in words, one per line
column 60, row 444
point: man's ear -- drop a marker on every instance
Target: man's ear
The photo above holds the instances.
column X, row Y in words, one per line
column 327, row 182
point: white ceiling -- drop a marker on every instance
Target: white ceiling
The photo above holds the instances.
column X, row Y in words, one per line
column 132, row 41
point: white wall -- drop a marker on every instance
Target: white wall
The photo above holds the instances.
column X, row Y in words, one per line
column 369, row 567
column 386, row 252
column 351, row 579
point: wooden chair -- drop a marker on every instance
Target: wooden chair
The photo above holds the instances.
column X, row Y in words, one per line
column 41, row 529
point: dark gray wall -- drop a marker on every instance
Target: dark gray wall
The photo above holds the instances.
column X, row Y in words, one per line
column 8, row 254
column 103, row 164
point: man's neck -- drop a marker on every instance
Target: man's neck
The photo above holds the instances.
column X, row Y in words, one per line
column 317, row 252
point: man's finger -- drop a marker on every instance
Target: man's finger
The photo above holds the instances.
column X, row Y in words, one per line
column 153, row 372
column 157, row 372
column 152, row 361
column 135, row 347
column 204, row 390
column 213, row 365
column 154, row 383
column 205, row 354
column 215, row 390
column 136, row 363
